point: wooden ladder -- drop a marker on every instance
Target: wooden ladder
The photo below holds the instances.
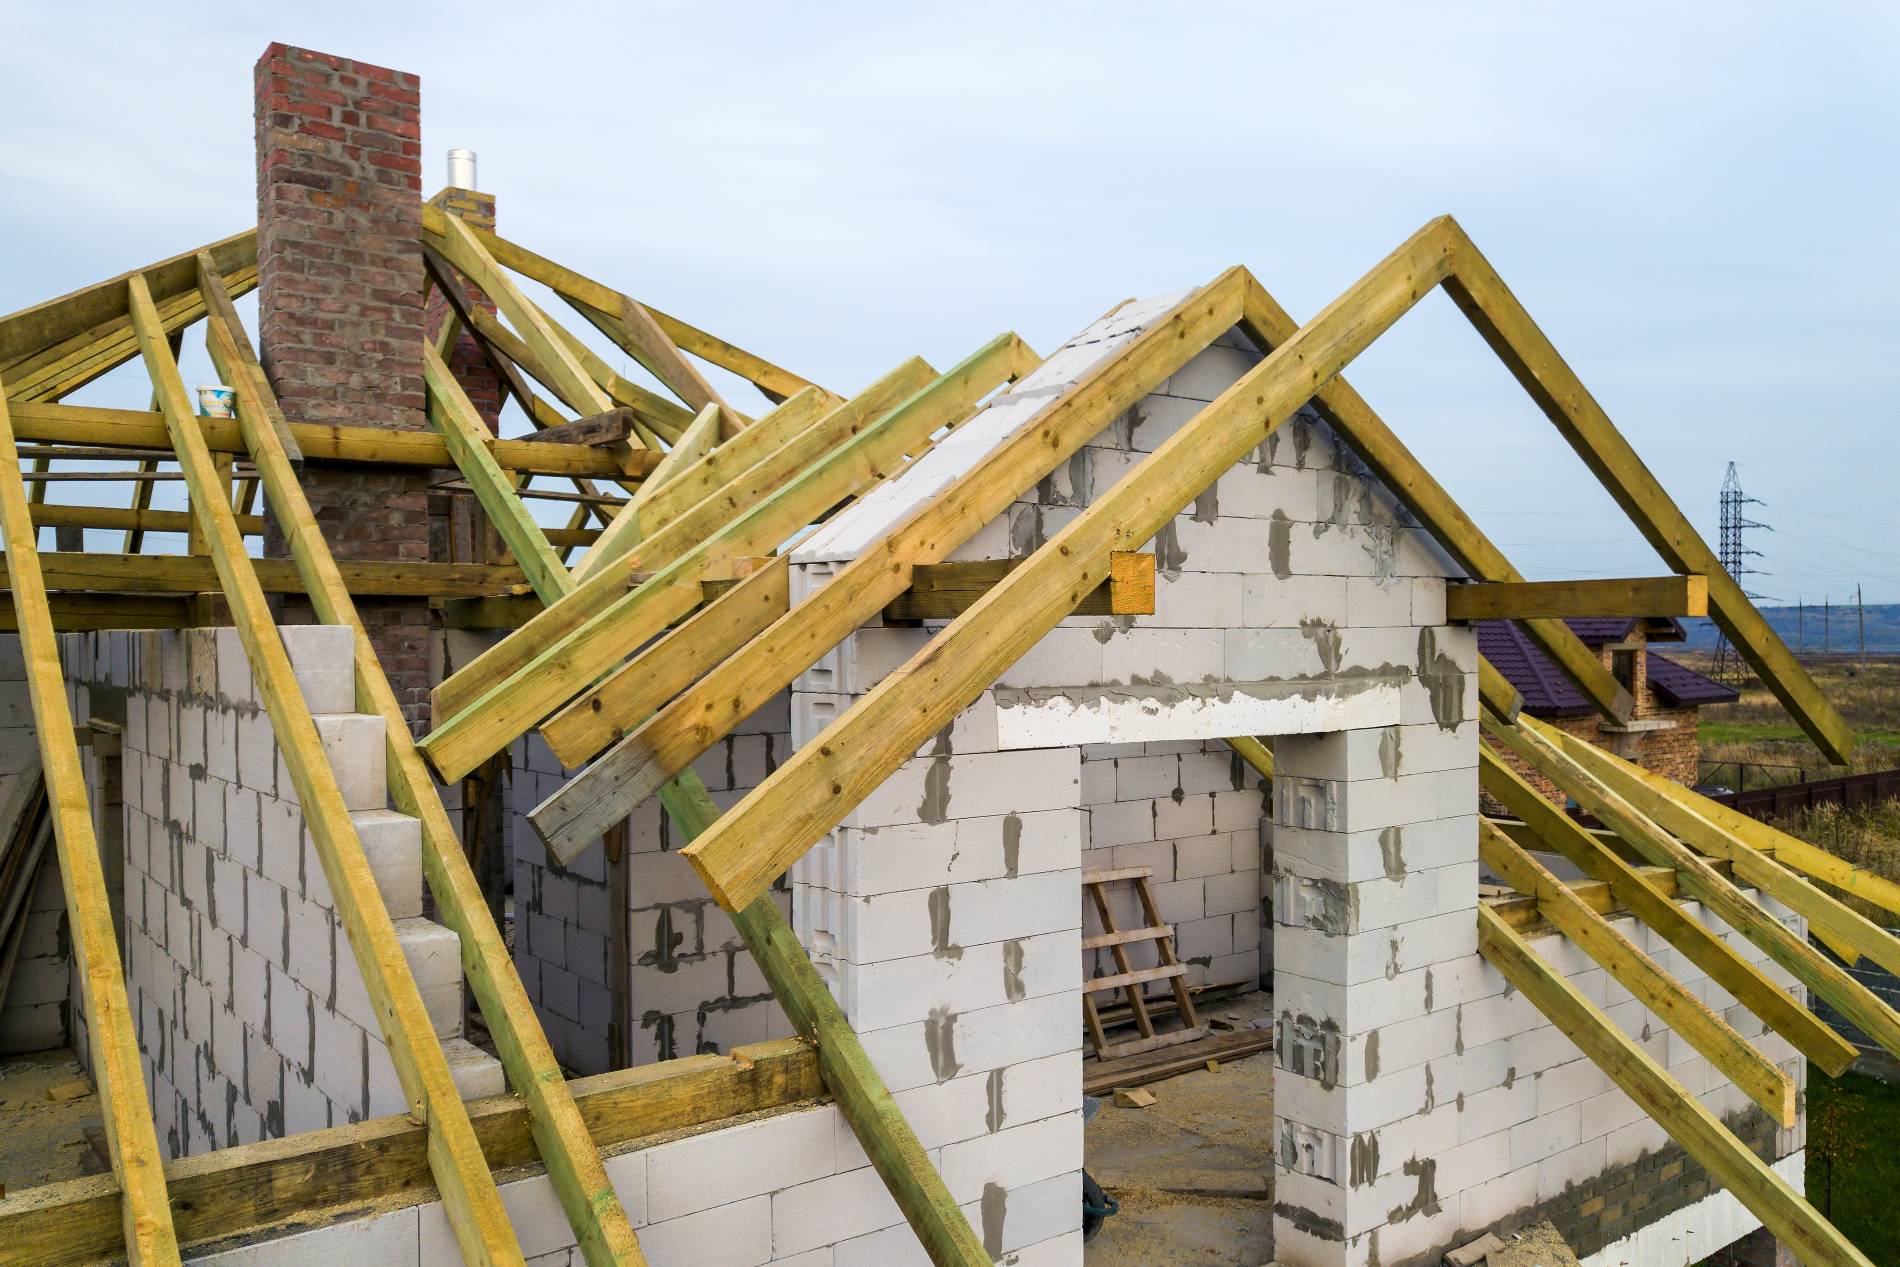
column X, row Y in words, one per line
column 1129, row 979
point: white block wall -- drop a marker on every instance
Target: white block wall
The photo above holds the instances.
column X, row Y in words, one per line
column 792, row 1189
column 252, row 1017
column 1194, row 815
column 695, row 988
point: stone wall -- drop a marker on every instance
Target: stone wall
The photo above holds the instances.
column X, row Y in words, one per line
column 252, row 1018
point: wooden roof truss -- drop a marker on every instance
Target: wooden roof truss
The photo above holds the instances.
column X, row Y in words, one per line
column 675, row 623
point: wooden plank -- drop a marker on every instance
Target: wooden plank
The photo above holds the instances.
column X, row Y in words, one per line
column 1254, row 753
column 1766, row 1194
column 69, row 365
column 773, row 500
column 1134, row 1071
column 250, row 1189
column 454, row 416
column 462, row 248
column 1661, row 993
column 1524, row 349
column 1819, row 973
column 1122, row 937
column 1133, row 976
column 76, row 612
column 1369, row 436
column 1153, row 1042
column 625, row 527
column 1846, row 930
column 701, row 715
column 218, row 304
column 600, row 1224
column 754, row 531
column 29, row 330
column 188, row 574
column 468, row 1189
column 775, row 382
column 820, row 783
column 615, row 424
column 1629, row 596
column 862, row 1097
column 732, row 458
column 1108, row 875
column 320, row 442
column 1648, row 896
column 132, row 520
column 944, row 591
column 690, row 650
column 634, row 331
column 132, row 1145
column 1497, row 693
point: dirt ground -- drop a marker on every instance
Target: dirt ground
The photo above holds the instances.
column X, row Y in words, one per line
column 46, row 1105
column 1193, row 1171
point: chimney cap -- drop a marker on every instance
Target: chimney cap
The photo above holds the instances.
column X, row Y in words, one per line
column 462, row 168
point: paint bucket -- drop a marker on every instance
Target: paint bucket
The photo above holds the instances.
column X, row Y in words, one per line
column 216, row 401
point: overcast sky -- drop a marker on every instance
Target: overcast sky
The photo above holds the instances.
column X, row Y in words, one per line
column 1697, row 202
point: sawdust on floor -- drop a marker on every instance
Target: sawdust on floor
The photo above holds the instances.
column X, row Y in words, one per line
column 1194, row 1171
column 1538, row 1245
column 47, row 1105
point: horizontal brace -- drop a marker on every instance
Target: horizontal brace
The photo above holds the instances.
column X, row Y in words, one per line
column 1532, row 600
column 944, row 591
column 194, row 574
column 320, row 442
column 290, row 1182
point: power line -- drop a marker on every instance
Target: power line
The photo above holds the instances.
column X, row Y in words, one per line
column 1734, row 555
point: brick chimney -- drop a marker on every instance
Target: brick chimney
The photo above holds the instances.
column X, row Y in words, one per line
column 340, row 309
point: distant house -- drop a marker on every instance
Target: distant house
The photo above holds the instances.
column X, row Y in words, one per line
column 1663, row 734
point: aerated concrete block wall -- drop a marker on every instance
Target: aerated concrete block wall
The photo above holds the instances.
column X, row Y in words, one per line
column 252, row 1017
column 791, row 1189
column 695, row 988
column 1193, row 814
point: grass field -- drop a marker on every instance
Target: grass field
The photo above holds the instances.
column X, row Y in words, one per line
column 1756, row 729
column 1852, row 1123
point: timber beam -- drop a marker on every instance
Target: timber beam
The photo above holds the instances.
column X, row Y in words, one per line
column 194, row 574
column 944, row 591
column 319, row 442
column 1556, row 600
column 250, row 1189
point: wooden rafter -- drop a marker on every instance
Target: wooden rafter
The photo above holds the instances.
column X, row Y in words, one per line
column 1849, row 933
column 147, row 1236
column 1640, row 893
column 668, row 742
column 569, row 818
column 580, row 1182
column 864, row 1100
column 606, row 589
column 775, row 382
column 468, row 1188
column 568, row 663
column 1407, row 479
column 1661, row 993
column 808, row 794
column 1815, row 970
column 1733, row 1164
